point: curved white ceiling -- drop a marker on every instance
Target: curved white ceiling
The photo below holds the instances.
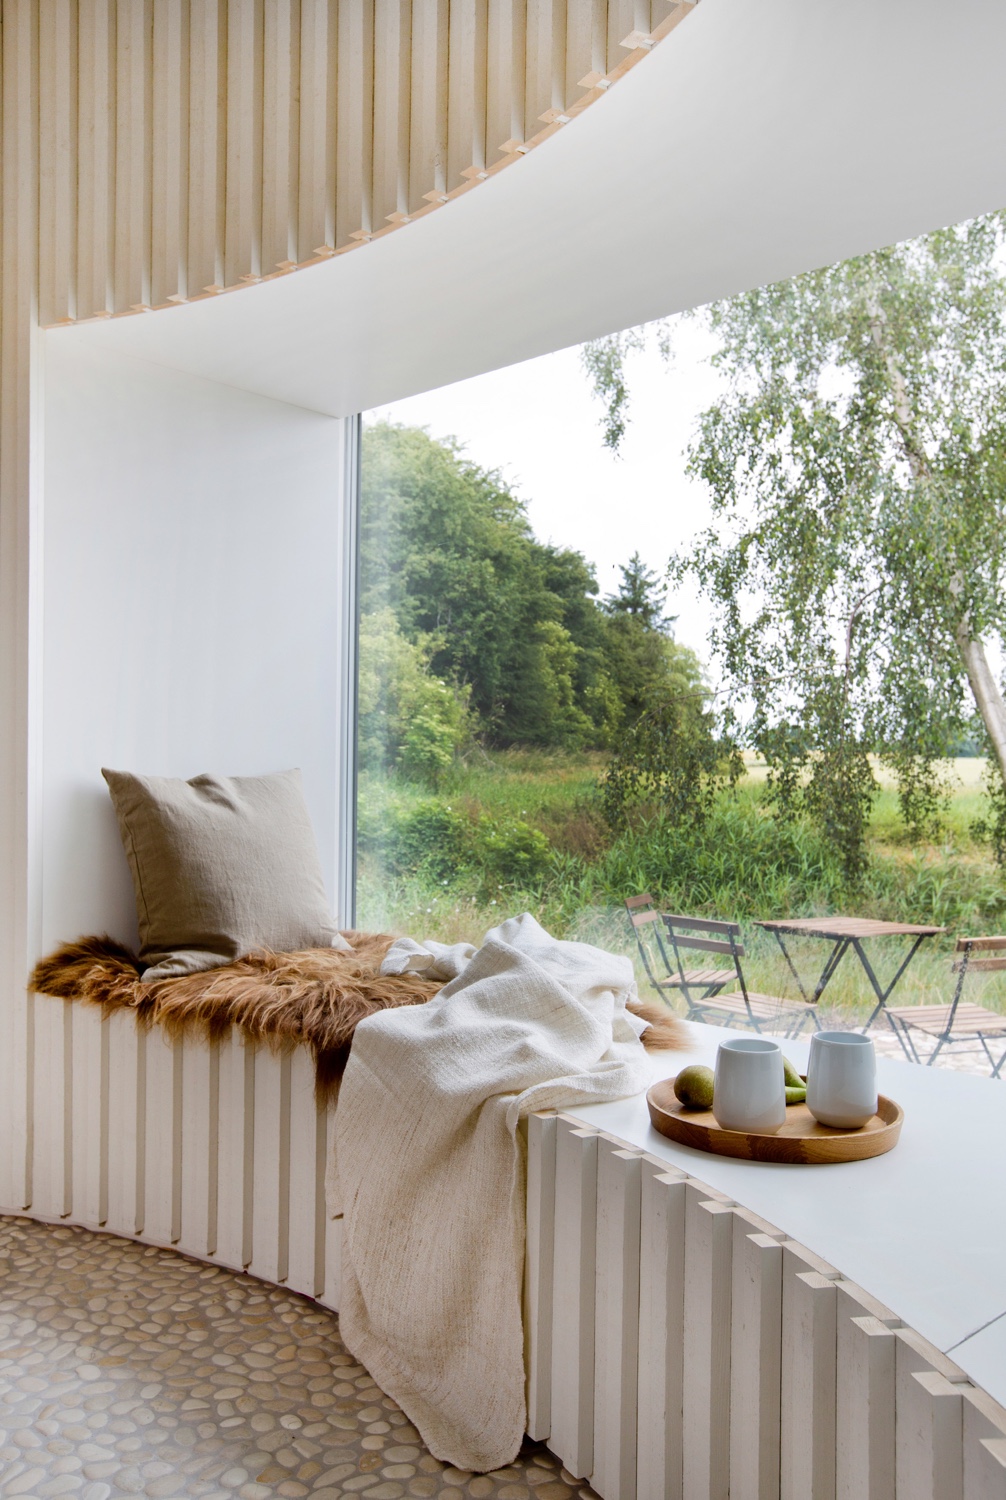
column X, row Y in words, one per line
column 764, row 137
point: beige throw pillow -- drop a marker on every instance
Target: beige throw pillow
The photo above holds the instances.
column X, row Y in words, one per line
column 221, row 865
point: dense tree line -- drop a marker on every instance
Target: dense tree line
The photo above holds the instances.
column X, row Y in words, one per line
column 472, row 627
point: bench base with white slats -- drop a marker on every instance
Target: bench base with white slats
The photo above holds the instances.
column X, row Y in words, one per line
column 216, row 1150
column 678, row 1345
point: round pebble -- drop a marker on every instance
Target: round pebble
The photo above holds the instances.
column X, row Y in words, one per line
column 21, row 1483
column 170, row 1380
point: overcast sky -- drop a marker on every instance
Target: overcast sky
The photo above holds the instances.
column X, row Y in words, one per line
column 539, row 423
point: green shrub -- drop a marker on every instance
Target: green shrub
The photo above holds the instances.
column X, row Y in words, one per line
column 408, row 718
column 513, row 854
column 430, row 738
column 428, row 838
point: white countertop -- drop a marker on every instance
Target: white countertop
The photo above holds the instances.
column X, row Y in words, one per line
column 922, row 1228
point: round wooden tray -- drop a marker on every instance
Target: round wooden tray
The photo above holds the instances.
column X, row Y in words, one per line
column 801, row 1140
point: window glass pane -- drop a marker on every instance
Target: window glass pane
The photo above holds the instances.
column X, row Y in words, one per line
column 514, row 621
column 713, row 666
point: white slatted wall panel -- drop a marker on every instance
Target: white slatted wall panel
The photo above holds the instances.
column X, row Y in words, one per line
column 189, row 146
column 616, row 1319
column 759, row 1372
column 219, row 1150
column 538, row 1282
column 660, row 1373
column 20, row 601
column 573, row 1304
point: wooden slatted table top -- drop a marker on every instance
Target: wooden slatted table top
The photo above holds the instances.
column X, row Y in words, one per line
column 849, row 927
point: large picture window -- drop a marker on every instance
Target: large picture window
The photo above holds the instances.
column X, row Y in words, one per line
column 726, row 644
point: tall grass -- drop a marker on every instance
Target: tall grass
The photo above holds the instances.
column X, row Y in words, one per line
column 523, row 831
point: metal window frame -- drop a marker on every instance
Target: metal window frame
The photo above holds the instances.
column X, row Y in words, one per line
column 349, row 631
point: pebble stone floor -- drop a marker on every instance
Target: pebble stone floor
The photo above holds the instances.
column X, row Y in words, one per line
column 127, row 1370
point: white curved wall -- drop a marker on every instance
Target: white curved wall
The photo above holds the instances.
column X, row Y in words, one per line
column 192, row 607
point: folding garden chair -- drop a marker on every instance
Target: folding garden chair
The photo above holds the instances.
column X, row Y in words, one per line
column 740, row 1007
column 958, row 1022
column 647, row 924
column 701, row 989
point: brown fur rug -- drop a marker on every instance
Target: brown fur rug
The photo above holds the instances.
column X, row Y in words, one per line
column 316, row 997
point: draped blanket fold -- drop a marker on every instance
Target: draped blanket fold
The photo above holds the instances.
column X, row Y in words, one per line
column 431, row 1171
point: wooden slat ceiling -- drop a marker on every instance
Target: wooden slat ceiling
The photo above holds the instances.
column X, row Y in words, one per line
column 188, row 147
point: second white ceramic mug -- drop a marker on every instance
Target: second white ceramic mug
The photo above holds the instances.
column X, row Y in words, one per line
column 842, row 1079
column 749, row 1089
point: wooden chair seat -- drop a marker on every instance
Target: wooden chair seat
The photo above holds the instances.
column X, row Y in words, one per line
column 764, row 1007
column 698, row 976
column 970, row 1020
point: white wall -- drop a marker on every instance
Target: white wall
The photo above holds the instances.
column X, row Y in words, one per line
column 192, row 607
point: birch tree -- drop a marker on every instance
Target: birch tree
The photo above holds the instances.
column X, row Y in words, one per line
column 856, row 560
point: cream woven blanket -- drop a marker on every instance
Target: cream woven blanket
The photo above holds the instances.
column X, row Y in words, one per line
column 432, row 1172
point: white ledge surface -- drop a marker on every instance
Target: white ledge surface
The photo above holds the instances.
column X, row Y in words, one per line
column 922, row 1228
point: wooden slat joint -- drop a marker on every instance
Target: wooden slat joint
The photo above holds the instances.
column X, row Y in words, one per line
column 637, row 39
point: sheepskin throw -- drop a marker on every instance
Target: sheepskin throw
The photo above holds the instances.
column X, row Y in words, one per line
column 315, row 997
column 433, row 1235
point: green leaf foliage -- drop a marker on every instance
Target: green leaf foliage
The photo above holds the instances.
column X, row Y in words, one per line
column 604, row 360
column 469, row 623
column 408, row 717
column 670, row 762
column 445, row 845
column 856, row 465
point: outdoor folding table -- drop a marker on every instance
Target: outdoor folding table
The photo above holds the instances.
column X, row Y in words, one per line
column 849, row 932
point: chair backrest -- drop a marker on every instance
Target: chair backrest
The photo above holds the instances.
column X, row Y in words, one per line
column 970, row 946
column 643, row 913
column 705, row 935
column 962, row 966
column 722, row 936
column 641, row 909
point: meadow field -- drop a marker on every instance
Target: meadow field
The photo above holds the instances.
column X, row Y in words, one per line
column 522, row 830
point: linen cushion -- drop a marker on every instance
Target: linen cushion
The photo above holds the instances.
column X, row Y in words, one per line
column 222, row 865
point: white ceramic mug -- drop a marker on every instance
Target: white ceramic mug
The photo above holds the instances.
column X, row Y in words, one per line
column 749, row 1091
column 842, row 1079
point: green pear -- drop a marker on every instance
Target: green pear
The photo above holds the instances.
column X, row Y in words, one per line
column 797, row 1095
column 790, row 1075
column 694, row 1087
